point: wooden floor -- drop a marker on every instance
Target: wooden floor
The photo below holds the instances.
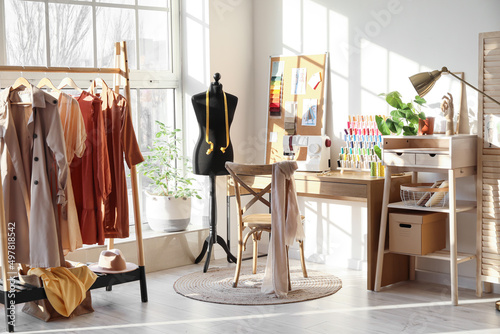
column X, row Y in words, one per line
column 408, row 307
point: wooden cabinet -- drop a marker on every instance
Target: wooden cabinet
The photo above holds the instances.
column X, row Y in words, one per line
column 454, row 156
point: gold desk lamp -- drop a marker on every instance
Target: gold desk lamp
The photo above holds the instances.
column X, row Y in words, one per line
column 423, row 82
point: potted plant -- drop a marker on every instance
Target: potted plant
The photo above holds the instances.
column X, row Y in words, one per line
column 168, row 199
column 406, row 117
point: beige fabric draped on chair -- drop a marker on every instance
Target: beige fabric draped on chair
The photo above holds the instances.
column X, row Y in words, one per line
column 285, row 220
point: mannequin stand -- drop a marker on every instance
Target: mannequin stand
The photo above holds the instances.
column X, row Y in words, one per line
column 213, row 238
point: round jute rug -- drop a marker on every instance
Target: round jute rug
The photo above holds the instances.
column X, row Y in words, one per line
column 216, row 286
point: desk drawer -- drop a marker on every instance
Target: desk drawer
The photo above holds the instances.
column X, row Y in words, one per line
column 399, row 159
column 330, row 189
column 438, row 160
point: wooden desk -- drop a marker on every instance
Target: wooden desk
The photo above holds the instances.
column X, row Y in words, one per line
column 359, row 187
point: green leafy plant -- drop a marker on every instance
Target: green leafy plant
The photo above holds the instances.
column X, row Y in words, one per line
column 163, row 165
column 404, row 118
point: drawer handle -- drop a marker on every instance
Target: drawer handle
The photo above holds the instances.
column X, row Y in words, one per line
column 399, row 153
column 432, row 155
column 405, row 225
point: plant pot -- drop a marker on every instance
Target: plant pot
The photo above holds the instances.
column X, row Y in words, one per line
column 167, row 213
column 426, row 127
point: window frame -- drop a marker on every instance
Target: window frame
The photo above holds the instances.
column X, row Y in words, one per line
column 166, row 78
column 3, row 51
column 139, row 78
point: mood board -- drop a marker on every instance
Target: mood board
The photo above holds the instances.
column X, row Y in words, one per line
column 296, row 100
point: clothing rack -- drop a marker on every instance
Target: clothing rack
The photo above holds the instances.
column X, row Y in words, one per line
column 12, row 290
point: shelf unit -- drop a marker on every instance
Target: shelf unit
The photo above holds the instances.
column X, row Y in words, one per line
column 434, row 154
column 461, row 206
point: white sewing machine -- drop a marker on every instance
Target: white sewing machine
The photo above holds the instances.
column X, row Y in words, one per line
column 318, row 151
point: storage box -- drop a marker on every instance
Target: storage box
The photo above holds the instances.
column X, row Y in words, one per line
column 417, row 233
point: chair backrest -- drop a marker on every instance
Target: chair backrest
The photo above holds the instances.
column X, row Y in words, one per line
column 243, row 175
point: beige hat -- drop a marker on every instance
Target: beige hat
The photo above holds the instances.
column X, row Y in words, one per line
column 112, row 262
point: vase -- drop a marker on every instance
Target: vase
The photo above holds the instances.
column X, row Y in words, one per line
column 426, row 126
column 167, row 213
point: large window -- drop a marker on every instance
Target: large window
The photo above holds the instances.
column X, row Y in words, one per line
column 82, row 33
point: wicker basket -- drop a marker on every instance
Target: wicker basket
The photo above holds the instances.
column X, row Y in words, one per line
column 422, row 194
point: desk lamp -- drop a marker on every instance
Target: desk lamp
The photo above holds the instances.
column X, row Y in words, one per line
column 423, row 82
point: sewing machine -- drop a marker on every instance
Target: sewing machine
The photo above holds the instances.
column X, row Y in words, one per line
column 318, row 151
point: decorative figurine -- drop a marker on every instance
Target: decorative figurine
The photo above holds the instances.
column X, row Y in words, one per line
column 447, row 109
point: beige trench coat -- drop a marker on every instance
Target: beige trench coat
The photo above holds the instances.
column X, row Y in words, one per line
column 34, row 172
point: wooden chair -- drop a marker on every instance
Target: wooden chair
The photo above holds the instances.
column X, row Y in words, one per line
column 242, row 176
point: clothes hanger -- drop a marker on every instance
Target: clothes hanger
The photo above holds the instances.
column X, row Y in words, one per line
column 21, row 81
column 47, row 83
column 69, row 82
column 99, row 82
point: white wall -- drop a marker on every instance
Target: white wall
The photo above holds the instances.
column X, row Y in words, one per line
column 231, row 54
column 217, row 37
column 374, row 46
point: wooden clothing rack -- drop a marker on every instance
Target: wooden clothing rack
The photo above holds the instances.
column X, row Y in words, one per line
column 13, row 291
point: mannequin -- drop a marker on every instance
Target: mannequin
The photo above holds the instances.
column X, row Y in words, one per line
column 211, row 152
column 213, row 163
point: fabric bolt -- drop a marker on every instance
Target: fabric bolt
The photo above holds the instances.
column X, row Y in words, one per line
column 65, row 288
column 34, row 172
column 121, row 142
column 74, row 135
column 286, row 227
column 90, row 174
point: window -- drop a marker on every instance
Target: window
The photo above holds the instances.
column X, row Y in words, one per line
column 82, row 33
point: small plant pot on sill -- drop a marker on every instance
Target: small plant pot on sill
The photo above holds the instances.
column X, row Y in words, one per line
column 167, row 213
column 426, row 127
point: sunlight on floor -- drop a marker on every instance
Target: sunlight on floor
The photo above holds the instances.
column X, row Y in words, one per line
column 275, row 315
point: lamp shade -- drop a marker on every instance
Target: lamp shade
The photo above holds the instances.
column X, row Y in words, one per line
column 423, row 82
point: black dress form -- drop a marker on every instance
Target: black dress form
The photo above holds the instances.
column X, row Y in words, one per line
column 213, row 164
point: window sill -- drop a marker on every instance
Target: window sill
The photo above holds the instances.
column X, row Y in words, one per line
column 148, row 233
column 176, row 248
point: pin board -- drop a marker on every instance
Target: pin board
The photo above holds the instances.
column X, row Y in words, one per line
column 296, row 101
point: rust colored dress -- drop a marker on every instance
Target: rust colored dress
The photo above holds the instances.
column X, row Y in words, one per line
column 90, row 173
column 121, row 143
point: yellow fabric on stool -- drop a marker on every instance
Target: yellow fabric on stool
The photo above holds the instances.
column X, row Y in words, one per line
column 65, row 289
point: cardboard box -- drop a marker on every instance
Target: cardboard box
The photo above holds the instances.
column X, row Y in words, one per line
column 417, row 233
